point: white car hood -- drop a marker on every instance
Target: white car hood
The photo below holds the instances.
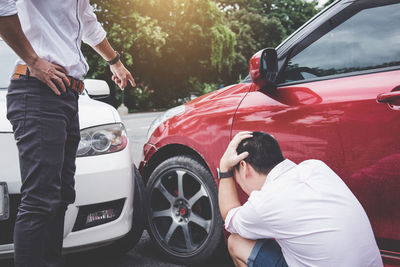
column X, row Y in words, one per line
column 91, row 113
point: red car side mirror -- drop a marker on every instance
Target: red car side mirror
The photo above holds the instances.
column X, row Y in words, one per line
column 264, row 67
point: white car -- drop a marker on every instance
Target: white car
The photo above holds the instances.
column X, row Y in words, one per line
column 108, row 186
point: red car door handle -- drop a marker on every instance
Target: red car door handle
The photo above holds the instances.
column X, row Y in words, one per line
column 390, row 98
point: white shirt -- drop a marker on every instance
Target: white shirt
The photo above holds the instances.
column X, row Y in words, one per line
column 313, row 216
column 56, row 28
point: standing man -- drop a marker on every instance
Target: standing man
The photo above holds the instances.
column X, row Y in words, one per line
column 42, row 106
column 309, row 211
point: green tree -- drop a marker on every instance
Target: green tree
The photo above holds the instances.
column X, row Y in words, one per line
column 199, row 46
column 328, row 3
column 165, row 43
column 254, row 32
column 174, row 48
column 292, row 13
column 262, row 23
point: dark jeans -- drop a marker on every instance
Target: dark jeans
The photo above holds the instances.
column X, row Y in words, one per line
column 266, row 253
column 46, row 128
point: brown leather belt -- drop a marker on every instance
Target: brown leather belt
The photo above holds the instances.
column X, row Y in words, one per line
column 22, row 70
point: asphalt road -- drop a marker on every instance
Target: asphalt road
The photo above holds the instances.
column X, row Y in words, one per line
column 144, row 253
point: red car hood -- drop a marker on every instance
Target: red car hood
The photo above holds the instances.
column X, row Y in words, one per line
column 220, row 93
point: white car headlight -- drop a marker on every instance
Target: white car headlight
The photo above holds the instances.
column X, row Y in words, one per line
column 163, row 117
column 102, row 140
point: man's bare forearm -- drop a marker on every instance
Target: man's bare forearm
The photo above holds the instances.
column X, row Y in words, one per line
column 121, row 75
column 105, row 50
column 49, row 73
column 227, row 193
column 12, row 34
column 227, row 196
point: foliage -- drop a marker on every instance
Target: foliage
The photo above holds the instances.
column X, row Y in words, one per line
column 139, row 98
column 329, row 2
column 254, row 32
column 293, row 13
column 164, row 43
column 179, row 48
column 290, row 13
column 199, row 45
column 200, row 88
column 262, row 23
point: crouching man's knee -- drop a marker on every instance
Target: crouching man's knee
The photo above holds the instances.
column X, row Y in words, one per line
column 240, row 249
column 233, row 241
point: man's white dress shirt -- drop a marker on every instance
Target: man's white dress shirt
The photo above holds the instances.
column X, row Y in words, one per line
column 56, row 28
column 313, row 216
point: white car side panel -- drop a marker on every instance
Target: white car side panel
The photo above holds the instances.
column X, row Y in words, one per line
column 5, row 125
column 9, row 163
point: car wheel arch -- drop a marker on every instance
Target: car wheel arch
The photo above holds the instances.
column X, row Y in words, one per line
column 169, row 151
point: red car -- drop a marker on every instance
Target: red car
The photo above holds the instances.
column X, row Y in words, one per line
column 331, row 91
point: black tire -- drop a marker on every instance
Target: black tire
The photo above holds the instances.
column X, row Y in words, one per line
column 186, row 227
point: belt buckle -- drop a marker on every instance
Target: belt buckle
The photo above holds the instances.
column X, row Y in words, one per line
column 81, row 87
column 77, row 85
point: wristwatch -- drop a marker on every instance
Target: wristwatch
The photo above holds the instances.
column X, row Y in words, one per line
column 114, row 60
column 222, row 175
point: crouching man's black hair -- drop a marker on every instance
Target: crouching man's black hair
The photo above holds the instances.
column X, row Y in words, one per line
column 264, row 152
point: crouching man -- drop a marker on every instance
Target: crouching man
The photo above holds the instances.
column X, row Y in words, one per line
column 296, row 215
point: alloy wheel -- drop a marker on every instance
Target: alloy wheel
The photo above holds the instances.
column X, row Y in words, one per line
column 181, row 211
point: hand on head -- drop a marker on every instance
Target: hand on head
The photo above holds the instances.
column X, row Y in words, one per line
column 230, row 157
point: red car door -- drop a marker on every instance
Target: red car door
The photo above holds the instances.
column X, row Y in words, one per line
column 338, row 100
column 303, row 119
column 370, row 136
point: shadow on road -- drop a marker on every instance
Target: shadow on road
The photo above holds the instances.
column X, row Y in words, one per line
column 144, row 254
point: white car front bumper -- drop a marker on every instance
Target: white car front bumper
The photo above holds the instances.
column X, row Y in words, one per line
column 98, row 179
column 101, row 179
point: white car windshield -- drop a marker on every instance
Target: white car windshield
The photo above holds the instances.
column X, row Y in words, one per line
column 7, row 64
